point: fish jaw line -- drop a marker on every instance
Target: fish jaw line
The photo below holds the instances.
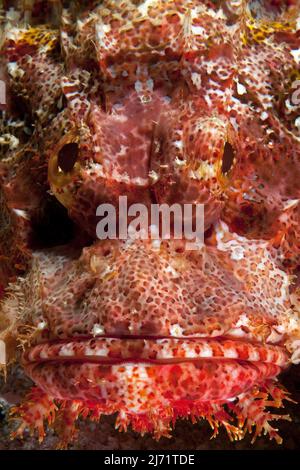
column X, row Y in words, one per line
column 110, row 350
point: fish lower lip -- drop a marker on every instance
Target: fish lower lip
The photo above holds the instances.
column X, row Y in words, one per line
column 105, row 350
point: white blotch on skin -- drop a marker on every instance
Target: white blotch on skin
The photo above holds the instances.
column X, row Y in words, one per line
column 97, row 330
column 42, row 325
column 241, row 89
column 296, row 54
column 230, row 353
column 66, row 351
column 176, row 330
column 264, row 116
column 237, row 253
column 206, row 351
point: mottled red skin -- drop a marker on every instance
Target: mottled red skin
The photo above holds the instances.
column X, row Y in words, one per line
column 176, row 106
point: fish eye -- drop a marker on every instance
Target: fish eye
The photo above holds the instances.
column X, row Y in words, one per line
column 228, row 158
column 63, row 166
column 67, row 157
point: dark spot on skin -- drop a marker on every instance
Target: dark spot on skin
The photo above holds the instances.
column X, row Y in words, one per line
column 67, row 157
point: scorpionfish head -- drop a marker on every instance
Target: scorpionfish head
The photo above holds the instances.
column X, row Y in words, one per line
column 165, row 102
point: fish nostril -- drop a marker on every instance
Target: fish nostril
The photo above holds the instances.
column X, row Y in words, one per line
column 67, row 157
column 228, row 158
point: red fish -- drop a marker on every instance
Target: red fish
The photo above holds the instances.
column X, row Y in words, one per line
column 166, row 102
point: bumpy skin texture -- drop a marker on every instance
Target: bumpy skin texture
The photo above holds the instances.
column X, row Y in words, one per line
column 166, row 102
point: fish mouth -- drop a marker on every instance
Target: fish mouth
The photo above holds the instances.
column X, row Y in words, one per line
column 151, row 382
column 158, row 350
column 137, row 375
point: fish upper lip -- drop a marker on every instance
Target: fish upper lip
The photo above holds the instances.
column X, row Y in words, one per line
column 114, row 349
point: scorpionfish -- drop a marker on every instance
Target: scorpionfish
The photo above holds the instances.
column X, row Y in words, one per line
column 184, row 101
